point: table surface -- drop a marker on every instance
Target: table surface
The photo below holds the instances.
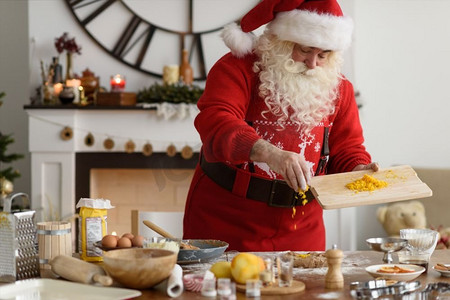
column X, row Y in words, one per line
column 353, row 269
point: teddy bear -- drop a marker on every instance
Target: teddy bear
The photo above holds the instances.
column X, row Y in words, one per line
column 399, row 215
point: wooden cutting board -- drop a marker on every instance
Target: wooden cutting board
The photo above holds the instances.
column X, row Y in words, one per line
column 403, row 184
column 296, row 287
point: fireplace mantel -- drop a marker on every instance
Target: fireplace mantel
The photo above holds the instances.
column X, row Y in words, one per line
column 53, row 159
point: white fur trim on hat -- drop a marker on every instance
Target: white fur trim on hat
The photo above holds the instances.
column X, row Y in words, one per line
column 240, row 43
column 323, row 31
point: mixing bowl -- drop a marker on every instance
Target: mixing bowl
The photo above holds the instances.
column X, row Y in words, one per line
column 139, row 268
column 420, row 240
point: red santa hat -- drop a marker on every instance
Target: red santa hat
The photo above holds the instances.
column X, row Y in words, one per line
column 314, row 23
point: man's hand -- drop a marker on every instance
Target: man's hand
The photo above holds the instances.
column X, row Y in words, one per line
column 372, row 166
column 290, row 165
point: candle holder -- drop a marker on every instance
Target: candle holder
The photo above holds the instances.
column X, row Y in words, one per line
column 117, row 83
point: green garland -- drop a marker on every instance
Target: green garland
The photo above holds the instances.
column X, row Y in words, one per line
column 172, row 93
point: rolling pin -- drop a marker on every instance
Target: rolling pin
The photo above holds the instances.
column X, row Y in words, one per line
column 77, row 270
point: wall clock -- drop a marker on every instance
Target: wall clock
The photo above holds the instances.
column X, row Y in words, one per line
column 148, row 34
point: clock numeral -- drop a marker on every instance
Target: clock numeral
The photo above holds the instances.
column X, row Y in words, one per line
column 198, row 45
column 75, row 4
column 148, row 39
column 126, row 36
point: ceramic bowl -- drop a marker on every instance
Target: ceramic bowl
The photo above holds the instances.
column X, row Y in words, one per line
column 139, row 268
column 416, row 271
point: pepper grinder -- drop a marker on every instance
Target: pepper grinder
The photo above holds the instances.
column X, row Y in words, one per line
column 334, row 278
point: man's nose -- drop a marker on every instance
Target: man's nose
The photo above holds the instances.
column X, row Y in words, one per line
column 311, row 61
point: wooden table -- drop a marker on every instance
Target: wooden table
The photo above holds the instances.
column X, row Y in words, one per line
column 353, row 269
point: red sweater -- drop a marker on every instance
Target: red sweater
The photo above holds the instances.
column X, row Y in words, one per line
column 229, row 103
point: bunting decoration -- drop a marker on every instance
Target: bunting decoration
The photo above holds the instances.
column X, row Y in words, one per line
column 89, row 140
column 127, row 142
column 147, row 150
column 66, row 133
column 187, row 152
column 108, row 144
column 171, row 150
column 130, row 146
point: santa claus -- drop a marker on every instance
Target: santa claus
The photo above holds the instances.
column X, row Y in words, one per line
column 275, row 112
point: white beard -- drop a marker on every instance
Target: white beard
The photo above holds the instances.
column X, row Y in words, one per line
column 291, row 91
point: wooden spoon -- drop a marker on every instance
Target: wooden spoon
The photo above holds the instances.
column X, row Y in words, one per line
column 165, row 234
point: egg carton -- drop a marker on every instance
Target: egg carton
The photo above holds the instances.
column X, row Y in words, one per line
column 19, row 257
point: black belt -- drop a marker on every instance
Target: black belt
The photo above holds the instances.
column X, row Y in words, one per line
column 273, row 192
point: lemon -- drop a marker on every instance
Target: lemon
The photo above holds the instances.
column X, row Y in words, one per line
column 245, row 266
column 221, row 269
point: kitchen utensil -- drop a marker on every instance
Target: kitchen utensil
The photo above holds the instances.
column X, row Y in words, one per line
column 165, row 234
column 403, row 184
column 417, row 270
column 375, row 289
column 54, row 238
column 296, row 287
column 192, row 251
column 158, row 229
column 387, row 245
column 18, row 252
column 139, row 268
column 77, row 270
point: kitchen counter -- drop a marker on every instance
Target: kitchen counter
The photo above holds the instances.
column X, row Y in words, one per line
column 353, row 269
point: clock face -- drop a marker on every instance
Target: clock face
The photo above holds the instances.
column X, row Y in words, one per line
column 149, row 34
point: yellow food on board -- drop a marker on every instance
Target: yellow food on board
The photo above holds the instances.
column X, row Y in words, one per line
column 366, row 183
column 221, row 269
column 245, row 266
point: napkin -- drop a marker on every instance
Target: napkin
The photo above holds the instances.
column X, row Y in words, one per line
column 173, row 285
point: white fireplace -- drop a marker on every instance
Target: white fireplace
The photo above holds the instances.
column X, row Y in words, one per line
column 65, row 169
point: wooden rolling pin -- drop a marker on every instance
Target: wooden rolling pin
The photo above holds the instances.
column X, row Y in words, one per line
column 77, row 270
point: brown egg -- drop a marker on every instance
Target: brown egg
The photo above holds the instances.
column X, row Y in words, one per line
column 109, row 241
column 128, row 235
column 138, row 241
column 124, row 242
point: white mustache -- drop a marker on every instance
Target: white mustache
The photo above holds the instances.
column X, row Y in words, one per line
column 295, row 67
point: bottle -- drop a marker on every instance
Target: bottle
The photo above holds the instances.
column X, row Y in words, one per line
column 57, row 71
column 267, row 276
column 186, row 72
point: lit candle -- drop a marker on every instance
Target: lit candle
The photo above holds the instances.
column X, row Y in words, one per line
column 75, row 84
column 117, row 83
column 57, row 88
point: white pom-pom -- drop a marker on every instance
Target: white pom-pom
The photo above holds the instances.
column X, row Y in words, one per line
column 239, row 42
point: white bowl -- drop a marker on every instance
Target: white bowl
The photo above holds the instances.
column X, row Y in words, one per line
column 373, row 270
column 443, row 273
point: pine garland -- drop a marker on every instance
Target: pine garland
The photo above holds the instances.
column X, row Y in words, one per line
column 172, row 93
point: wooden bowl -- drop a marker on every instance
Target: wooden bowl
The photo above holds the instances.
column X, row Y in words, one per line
column 139, row 268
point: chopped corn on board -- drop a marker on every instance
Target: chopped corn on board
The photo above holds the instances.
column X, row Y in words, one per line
column 402, row 184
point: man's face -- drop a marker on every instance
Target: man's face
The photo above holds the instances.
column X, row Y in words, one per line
column 312, row 57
